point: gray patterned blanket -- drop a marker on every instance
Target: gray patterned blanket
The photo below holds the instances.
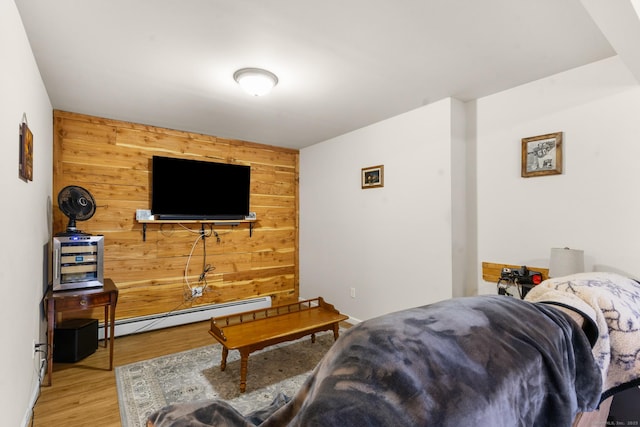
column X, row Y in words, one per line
column 489, row 360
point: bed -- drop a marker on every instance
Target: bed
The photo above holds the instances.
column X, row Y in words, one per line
column 551, row 359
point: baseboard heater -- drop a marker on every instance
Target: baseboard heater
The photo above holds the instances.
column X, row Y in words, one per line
column 182, row 317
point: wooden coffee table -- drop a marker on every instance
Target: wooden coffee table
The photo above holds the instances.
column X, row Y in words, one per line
column 257, row 329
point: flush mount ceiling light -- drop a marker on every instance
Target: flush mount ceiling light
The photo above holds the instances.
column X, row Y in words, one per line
column 255, row 81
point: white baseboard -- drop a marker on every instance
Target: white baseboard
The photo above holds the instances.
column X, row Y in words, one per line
column 35, row 393
column 183, row 317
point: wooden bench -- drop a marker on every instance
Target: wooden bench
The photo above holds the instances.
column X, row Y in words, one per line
column 257, row 329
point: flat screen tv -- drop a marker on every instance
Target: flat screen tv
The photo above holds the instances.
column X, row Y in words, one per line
column 195, row 189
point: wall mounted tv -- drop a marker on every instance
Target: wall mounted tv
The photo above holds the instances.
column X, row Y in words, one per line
column 195, row 189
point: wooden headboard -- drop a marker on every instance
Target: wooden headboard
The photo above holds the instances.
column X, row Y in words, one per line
column 491, row 271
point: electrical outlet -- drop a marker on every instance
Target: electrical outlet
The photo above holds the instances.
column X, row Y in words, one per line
column 352, row 292
column 38, row 348
column 196, row 292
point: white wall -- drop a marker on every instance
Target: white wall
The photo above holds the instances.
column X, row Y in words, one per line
column 401, row 246
column 392, row 244
column 24, row 217
column 594, row 204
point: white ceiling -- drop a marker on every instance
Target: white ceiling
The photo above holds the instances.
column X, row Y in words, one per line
column 342, row 64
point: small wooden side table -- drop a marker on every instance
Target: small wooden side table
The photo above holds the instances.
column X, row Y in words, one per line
column 81, row 299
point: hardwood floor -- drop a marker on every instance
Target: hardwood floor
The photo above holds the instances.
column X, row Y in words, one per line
column 84, row 393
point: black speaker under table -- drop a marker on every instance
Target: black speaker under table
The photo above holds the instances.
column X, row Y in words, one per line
column 75, row 339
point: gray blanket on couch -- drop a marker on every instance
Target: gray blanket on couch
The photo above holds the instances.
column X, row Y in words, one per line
column 488, row 360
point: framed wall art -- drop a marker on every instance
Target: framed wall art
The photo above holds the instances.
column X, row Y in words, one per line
column 25, row 167
column 542, row 155
column 373, row 177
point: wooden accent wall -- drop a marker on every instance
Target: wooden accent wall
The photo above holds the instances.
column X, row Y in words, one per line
column 112, row 160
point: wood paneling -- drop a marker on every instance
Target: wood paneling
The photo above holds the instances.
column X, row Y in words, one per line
column 112, row 160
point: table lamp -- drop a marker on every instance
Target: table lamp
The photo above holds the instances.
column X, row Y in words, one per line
column 565, row 261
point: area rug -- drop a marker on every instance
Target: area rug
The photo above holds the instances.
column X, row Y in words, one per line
column 195, row 375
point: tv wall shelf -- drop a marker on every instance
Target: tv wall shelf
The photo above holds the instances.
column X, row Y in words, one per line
column 202, row 222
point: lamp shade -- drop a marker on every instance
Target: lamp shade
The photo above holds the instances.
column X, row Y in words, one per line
column 565, row 261
column 255, row 81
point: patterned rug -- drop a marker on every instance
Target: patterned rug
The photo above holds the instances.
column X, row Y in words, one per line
column 194, row 375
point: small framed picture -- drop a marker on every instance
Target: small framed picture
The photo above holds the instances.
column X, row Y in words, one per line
column 542, row 155
column 25, row 167
column 373, row 177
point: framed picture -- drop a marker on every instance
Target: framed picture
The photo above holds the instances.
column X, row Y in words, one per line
column 542, row 155
column 25, row 168
column 373, row 177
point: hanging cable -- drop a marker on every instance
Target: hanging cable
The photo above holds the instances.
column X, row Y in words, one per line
column 206, row 268
column 186, row 267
